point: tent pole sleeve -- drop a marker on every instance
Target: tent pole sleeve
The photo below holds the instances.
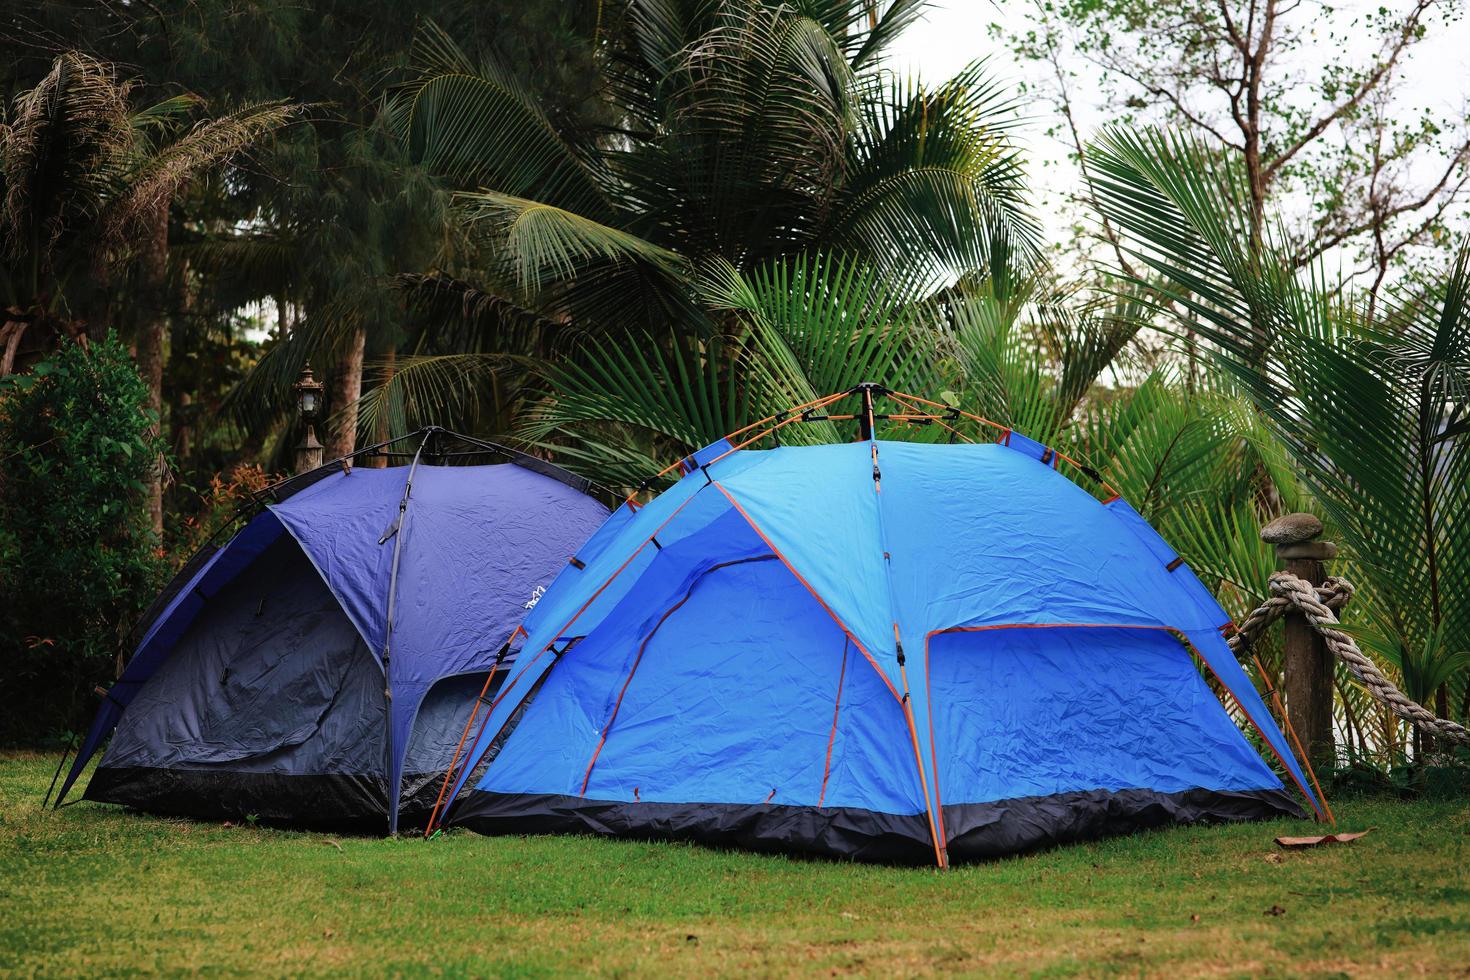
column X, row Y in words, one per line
column 390, row 752
column 931, row 803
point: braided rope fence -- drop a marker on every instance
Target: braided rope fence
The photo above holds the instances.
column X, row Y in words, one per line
column 1320, row 606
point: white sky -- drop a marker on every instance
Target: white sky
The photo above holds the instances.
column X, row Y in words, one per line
column 956, row 32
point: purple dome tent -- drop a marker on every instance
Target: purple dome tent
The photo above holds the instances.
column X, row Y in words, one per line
column 317, row 669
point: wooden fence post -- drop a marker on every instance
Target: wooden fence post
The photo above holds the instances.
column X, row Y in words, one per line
column 1308, row 665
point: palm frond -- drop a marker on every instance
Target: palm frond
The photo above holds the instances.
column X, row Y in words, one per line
column 452, row 390
column 62, row 151
column 474, row 125
column 866, row 47
column 933, row 172
column 457, row 315
column 653, row 398
column 547, row 244
column 820, row 325
column 1369, row 410
column 158, row 119
column 1183, row 209
column 208, row 144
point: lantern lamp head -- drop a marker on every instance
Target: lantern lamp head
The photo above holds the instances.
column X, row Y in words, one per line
column 308, row 395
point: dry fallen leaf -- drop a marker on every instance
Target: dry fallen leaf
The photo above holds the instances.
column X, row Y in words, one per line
column 1323, row 839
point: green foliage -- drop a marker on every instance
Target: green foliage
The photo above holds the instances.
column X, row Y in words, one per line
column 219, row 507
column 621, row 231
column 78, row 562
column 747, row 136
column 1319, row 103
column 1008, row 346
column 1370, row 400
column 82, row 171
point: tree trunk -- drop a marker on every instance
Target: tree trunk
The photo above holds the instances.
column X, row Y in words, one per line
column 183, row 418
column 390, row 366
column 97, row 313
column 346, row 390
column 1255, row 167
column 153, row 266
column 283, row 316
column 184, row 431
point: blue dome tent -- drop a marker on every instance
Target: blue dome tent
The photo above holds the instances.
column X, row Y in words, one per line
column 881, row 650
column 316, row 669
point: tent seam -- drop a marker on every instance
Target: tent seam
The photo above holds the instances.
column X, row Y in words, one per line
column 828, row 609
column 936, row 821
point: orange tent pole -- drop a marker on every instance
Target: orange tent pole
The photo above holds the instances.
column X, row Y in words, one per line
column 452, row 772
column 1291, row 731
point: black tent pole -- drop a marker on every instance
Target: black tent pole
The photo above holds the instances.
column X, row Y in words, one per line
column 269, row 491
column 57, row 774
column 397, row 531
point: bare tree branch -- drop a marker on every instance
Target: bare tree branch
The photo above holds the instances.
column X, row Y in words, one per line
column 1171, row 97
column 1379, row 216
column 1382, row 70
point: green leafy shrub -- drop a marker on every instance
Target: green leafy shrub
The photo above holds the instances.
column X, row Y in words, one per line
column 78, row 561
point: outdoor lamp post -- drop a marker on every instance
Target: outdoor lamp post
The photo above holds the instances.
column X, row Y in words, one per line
column 308, row 406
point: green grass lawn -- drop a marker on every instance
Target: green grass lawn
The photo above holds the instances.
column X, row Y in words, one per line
column 93, row 889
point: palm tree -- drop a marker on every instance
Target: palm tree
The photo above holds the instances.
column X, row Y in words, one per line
column 1007, row 344
column 87, row 182
column 746, row 134
column 1371, row 401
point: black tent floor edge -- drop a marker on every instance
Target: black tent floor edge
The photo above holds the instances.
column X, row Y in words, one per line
column 976, row 831
column 979, row 831
column 351, row 802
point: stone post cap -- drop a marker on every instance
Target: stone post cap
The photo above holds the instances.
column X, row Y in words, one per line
column 1291, row 529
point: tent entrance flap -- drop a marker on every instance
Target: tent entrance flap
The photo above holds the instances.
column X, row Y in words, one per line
column 707, row 614
column 269, row 703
